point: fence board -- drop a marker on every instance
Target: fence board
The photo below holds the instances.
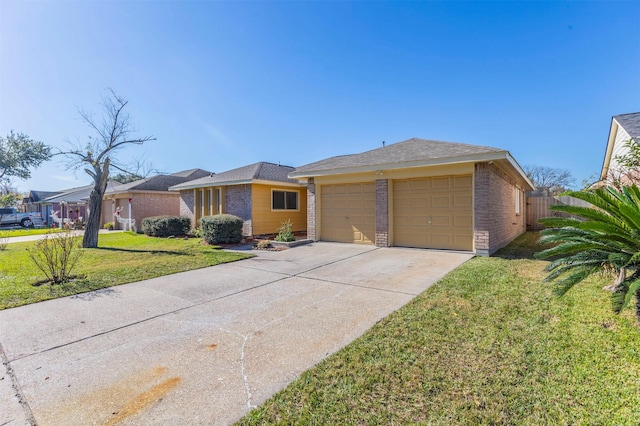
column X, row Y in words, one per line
column 539, row 207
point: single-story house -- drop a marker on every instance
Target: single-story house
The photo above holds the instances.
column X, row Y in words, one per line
column 418, row 193
column 261, row 194
column 68, row 203
column 625, row 128
column 147, row 197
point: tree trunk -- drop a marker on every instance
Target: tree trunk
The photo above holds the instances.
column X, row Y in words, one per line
column 638, row 305
column 90, row 239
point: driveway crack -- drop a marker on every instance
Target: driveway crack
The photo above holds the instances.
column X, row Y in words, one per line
column 17, row 388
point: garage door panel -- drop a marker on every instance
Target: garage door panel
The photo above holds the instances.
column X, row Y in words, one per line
column 348, row 213
column 433, row 212
column 462, row 182
column 441, row 202
column 462, row 201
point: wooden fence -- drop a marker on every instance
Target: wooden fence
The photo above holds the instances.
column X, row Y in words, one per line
column 539, row 207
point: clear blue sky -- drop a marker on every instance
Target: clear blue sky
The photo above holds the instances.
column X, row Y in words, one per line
column 225, row 84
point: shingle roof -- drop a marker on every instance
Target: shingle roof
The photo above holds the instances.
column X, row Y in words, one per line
column 245, row 174
column 409, row 151
column 631, row 123
column 159, row 182
column 37, row 196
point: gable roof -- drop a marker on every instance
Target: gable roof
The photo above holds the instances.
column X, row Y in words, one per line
column 39, row 196
column 261, row 171
column 630, row 123
column 159, row 182
column 75, row 195
column 413, row 152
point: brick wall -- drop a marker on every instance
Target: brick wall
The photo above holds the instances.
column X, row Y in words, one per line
column 496, row 221
column 187, row 203
column 311, row 210
column 238, row 203
column 143, row 205
column 382, row 213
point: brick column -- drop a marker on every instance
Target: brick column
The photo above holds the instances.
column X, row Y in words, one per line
column 382, row 213
column 311, row 210
column 482, row 209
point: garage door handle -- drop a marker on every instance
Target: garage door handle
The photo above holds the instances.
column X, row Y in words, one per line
column 429, row 219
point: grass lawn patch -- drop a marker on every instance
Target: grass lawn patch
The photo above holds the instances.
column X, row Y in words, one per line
column 488, row 344
column 122, row 258
column 8, row 233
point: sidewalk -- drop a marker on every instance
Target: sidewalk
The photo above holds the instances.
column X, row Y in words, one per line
column 40, row 236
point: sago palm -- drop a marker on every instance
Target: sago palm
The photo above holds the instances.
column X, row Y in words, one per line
column 606, row 237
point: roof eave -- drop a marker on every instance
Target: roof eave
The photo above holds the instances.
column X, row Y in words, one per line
column 182, row 187
column 475, row 158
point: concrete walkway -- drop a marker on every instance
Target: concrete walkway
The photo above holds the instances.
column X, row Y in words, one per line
column 40, row 236
column 205, row 346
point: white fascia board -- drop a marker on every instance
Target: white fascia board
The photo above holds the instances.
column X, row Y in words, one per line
column 613, row 131
column 182, row 187
column 501, row 155
column 522, row 173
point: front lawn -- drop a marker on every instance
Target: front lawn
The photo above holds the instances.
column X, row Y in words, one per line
column 123, row 257
column 488, row 344
column 24, row 232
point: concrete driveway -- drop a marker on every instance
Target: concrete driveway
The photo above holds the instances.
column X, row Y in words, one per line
column 205, row 346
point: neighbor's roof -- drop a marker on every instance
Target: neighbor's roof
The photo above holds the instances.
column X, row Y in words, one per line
column 38, row 196
column 159, row 182
column 630, row 122
column 412, row 152
column 261, row 171
column 73, row 195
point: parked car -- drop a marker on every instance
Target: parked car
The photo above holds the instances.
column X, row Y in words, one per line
column 10, row 216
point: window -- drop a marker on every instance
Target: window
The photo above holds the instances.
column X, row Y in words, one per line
column 518, row 200
column 284, row 200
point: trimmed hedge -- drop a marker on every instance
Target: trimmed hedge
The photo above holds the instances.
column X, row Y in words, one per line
column 221, row 228
column 166, row 226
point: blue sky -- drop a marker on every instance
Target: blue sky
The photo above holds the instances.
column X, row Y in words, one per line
column 225, row 84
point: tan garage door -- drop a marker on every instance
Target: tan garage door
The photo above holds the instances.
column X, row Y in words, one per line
column 433, row 212
column 348, row 213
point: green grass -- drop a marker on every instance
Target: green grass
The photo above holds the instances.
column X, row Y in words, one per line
column 488, row 344
column 123, row 257
column 8, row 233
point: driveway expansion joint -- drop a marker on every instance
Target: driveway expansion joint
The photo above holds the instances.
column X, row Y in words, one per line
column 22, row 400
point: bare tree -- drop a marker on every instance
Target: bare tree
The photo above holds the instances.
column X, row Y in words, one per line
column 98, row 157
column 549, row 179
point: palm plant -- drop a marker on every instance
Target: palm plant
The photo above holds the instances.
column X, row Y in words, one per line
column 606, row 237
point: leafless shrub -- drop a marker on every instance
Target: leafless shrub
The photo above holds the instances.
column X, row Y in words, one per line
column 4, row 240
column 56, row 255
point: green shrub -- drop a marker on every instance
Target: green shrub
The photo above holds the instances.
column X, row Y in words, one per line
column 285, row 232
column 108, row 225
column 166, row 226
column 221, row 228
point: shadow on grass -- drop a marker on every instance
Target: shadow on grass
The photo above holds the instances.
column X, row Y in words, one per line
column 523, row 247
column 178, row 253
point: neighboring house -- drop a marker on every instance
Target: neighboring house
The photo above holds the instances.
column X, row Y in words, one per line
column 34, row 203
column 146, row 197
column 624, row 128
column 261, row 194
column 418, row 193
column 69, row 203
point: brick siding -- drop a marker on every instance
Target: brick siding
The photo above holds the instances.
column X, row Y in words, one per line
column 311, row 210
column 496, row 221
column 238, row 203
column 187, row 204
column 382, row 213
